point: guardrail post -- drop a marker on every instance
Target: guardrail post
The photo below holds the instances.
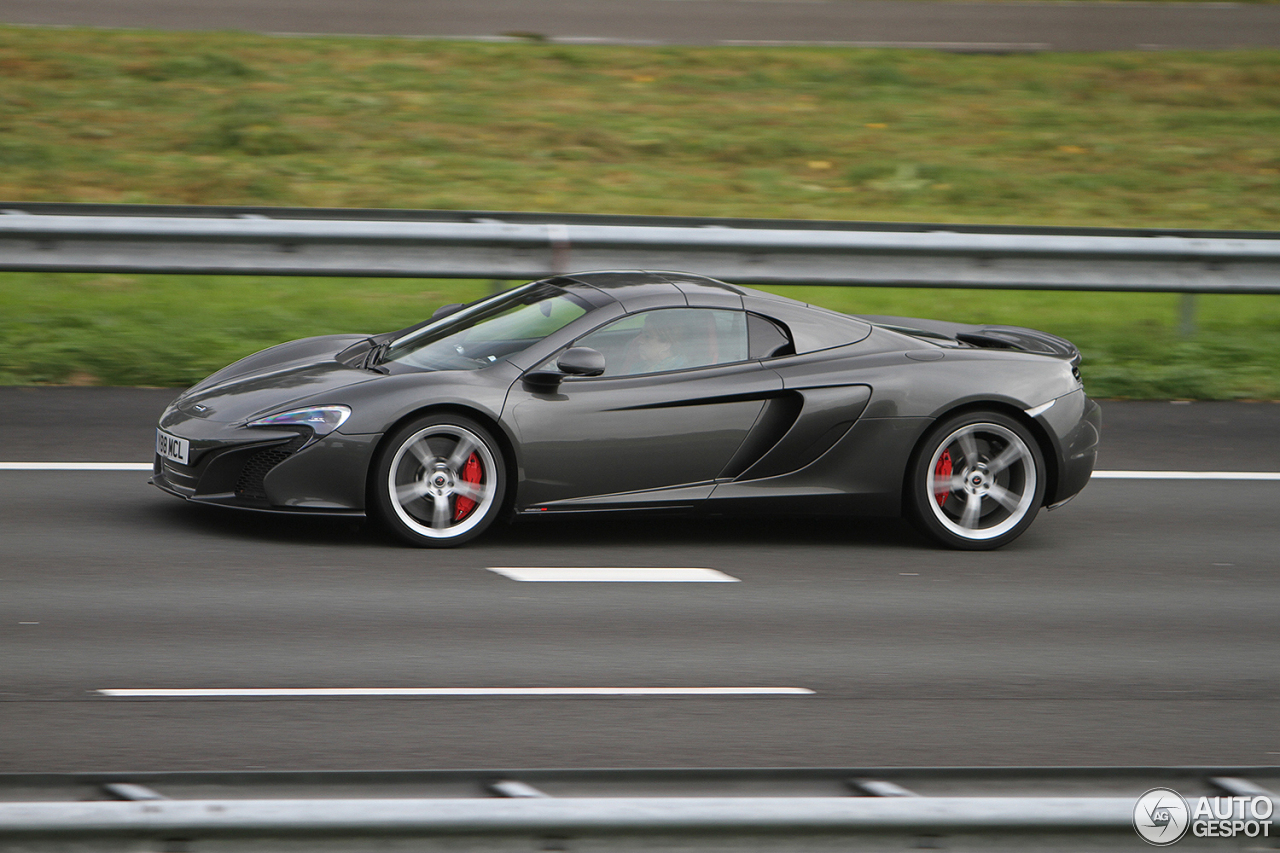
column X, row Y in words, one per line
column 1187, row 315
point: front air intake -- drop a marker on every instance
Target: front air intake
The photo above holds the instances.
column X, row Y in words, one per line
column 250, row 485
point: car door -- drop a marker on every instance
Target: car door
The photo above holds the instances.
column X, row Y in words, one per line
column 656, row 428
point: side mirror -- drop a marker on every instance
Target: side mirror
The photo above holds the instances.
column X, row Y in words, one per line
column 581, row 361
column 575, row 361
column 446, row 310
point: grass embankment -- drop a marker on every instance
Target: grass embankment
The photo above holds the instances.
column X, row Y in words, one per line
column 1135, row 139
column 159, row 330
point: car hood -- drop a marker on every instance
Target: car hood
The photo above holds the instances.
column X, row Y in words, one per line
column 273, row 380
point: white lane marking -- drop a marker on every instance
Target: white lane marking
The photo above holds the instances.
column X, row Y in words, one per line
column 75, row 466
column 306, row 692
column 574, row 574
column 1186, row 475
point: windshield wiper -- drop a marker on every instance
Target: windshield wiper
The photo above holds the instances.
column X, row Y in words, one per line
column 373, row 358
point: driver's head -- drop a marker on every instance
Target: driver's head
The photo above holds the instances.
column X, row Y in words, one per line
column 663, row 325
column 659, row 336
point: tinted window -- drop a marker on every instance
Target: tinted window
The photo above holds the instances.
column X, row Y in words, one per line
column 768, row 339
column 487, row 331
column 811, row 328
column 670, row 339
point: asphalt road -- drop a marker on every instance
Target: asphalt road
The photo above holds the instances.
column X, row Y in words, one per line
column 1137, row 625
column 1001, row 26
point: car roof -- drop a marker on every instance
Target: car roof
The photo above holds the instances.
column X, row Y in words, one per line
column 812, row 328
column 638, row 290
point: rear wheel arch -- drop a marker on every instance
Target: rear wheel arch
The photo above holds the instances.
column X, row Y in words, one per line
column 995, row 489
column 1047, row 447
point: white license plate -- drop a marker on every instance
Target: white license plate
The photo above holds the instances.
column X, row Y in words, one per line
column 172, row 447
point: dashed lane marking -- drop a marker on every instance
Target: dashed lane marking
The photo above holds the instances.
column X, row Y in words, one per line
column 575, row 574
column 339, row 692
column 76, row 466
column 1186, row 475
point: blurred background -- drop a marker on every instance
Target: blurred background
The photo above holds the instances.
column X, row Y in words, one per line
column 999, row 129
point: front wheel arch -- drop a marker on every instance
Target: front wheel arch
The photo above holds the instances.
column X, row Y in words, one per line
column 495, row 429
column 419, row 516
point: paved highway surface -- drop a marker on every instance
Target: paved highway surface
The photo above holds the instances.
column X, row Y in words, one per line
column 1137, row 625
column 1011, row 26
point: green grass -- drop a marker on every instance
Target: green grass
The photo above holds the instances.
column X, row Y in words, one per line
column 1158, row 139
column 172, row 331
column 1131, row 342
column 1179, row 139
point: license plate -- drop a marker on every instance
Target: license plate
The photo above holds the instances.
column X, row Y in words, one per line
column 172, row 447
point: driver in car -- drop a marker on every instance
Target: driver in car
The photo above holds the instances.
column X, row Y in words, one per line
column 658, row 344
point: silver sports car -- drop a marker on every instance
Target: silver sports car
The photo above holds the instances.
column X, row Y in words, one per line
column 643, row 391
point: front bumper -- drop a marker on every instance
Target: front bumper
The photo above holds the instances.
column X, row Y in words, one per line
column 282, row 472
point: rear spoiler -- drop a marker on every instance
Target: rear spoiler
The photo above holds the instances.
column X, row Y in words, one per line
column 994, row 337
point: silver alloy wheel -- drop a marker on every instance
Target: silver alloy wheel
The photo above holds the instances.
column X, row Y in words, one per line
column 427, row 478
column 989, row 485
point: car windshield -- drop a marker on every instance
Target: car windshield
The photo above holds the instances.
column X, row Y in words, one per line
column 483, row 333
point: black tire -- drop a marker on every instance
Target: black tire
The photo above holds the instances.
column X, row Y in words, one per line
column 438, row 481
column 976, row 481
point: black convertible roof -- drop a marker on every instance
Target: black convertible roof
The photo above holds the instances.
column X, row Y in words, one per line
column 812, row 328
column 643, row 289
column 618, row 279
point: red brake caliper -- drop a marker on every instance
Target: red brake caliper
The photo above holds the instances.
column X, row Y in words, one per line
column 942, row 472
column 470, row 473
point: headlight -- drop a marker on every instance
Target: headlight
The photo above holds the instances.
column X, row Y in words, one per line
column 321, row 419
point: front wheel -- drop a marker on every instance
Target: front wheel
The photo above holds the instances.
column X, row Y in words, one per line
column 976, row 482
column 439, row 481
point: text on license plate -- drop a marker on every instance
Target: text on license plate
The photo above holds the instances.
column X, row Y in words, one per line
column 172, row 447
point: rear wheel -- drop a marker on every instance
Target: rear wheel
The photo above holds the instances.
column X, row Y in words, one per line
column 439, row 481
column 977, row 481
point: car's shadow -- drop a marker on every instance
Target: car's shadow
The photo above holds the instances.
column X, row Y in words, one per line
column 689, row 531
column 279, row 528
column 575, row 531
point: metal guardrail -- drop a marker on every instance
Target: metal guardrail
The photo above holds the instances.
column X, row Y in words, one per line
column 472, row 244
column 590, row 824
column 820, row 809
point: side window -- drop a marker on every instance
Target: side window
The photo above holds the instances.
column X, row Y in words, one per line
column 768, row 339
column 670, row 339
